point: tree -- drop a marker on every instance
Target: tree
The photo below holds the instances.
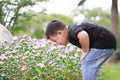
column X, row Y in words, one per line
column 114, row 24
column 61, row 17
column 101, row 18
column 10, row 10
column 33, row 23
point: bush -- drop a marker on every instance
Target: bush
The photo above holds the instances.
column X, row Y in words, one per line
column 26, row 58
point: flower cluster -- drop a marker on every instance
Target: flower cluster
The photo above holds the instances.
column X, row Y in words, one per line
column 38, row 59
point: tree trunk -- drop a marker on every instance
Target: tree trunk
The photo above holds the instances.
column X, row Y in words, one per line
column 114, row 25
column 1, row 13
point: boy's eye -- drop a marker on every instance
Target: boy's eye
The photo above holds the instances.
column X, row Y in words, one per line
column 54, row 41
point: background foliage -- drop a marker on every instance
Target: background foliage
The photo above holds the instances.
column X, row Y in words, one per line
column 10, row 10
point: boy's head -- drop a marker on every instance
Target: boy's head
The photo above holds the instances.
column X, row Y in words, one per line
column 57, row 32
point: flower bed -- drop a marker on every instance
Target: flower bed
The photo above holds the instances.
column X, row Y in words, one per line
column 26, row 58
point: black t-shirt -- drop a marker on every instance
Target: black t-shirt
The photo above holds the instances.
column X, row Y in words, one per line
column 100, row 37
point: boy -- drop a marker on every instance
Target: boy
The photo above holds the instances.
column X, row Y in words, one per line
column 97, row 43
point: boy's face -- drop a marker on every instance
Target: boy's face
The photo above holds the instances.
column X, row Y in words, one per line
column 61, row 37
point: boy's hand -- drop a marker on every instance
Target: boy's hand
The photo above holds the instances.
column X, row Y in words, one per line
column 84, row 41
column 83, row 56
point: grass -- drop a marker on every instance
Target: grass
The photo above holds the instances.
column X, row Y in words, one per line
column 110, row 72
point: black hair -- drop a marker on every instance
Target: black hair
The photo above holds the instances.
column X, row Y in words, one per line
column 53, row 27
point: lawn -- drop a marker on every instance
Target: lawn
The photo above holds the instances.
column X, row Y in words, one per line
column 110, row 72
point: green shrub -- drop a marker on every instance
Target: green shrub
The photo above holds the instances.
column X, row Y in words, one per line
column 26, row 58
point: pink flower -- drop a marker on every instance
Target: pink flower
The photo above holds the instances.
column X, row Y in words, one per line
column 60, row 46
column 7, row 52
column 36, row 46
column 2, row 74
column 2, row 57
column 11, row 56
column 24, row 57
column 15, row 38
column 14, row 51
column 18, row 56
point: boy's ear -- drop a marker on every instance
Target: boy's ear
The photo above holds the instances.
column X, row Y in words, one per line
column 59, row 32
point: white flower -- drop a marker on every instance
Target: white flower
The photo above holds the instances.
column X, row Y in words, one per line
column 27, row 52
column 40, row 65
column 37, row 54
column 51, row 62
column 53, row 48
column 62, row 56
column 76, row 55
column 1, row 62
column 71, row 48
column 23, row 68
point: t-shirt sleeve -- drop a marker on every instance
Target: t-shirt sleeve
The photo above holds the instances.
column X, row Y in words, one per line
column 74, row 30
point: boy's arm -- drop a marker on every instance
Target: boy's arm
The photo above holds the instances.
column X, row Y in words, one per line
column 84, row 41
